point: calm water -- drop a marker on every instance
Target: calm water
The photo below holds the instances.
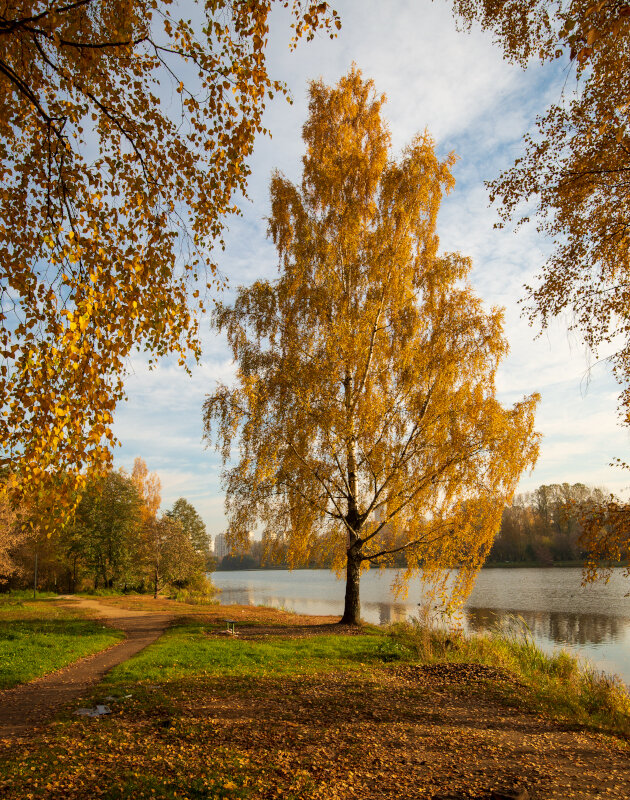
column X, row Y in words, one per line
column 593, row 621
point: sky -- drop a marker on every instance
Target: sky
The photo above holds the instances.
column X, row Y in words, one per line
column 457, row 86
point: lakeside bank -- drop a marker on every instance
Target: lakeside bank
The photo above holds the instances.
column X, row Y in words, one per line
column 298, row 707
column 592, row 621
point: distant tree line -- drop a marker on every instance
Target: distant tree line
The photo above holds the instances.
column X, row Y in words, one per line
column 260, row 555
column 116, row 539
column 542, row 527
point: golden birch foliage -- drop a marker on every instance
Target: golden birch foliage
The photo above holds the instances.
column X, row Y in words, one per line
column 575, row 168
column 365, row 409
column 153, row 530
column 124, row 134
column 148, row 486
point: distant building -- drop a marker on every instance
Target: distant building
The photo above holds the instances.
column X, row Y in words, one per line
column 221, row 547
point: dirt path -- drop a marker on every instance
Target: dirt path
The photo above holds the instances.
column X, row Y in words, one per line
column 35, row 703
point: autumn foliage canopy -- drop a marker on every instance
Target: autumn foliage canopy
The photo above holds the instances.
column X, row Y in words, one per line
column 365, row 408
column 574, row 177
column 124, row 135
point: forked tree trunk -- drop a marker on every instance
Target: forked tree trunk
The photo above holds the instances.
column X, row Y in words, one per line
column 352, row 607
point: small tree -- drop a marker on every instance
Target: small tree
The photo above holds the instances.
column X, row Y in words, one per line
column 181, row 564
column 148, row 486
column 192, row 525
column 105, row 533
column 365, row 406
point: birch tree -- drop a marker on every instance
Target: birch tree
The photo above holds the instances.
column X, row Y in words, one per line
column 365, row 407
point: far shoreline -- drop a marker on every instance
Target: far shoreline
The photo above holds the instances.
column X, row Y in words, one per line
column 492, row 565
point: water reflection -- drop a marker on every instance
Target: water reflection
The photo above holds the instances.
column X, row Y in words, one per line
column 243, row 596
column 387, row 612
column 559, row 627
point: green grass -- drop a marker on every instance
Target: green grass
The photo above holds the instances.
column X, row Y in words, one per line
column 187, row 651
column 38, row 637
column 558, row 684
column 15, row 595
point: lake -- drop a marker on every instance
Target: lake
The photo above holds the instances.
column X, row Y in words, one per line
column 592, row 621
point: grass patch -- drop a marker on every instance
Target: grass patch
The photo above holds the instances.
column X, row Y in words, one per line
column 38, row 637
column 558, row 684
column 15, row 595
column 102, row 592
column 187, row 651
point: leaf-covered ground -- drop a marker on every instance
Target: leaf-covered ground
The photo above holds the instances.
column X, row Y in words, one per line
column 316, row 717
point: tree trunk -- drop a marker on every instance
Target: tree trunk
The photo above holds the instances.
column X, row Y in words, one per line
column 352, row 607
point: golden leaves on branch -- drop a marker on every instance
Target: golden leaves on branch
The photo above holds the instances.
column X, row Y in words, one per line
column 10, row 533
column 605, row 536
column 547, row 30
column 576, row 165
column 111, row 201
column 576, row 168
column 603, row 19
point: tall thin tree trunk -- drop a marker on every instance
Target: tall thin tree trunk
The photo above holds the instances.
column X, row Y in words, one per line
column 352, row 607
column 156, row 544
